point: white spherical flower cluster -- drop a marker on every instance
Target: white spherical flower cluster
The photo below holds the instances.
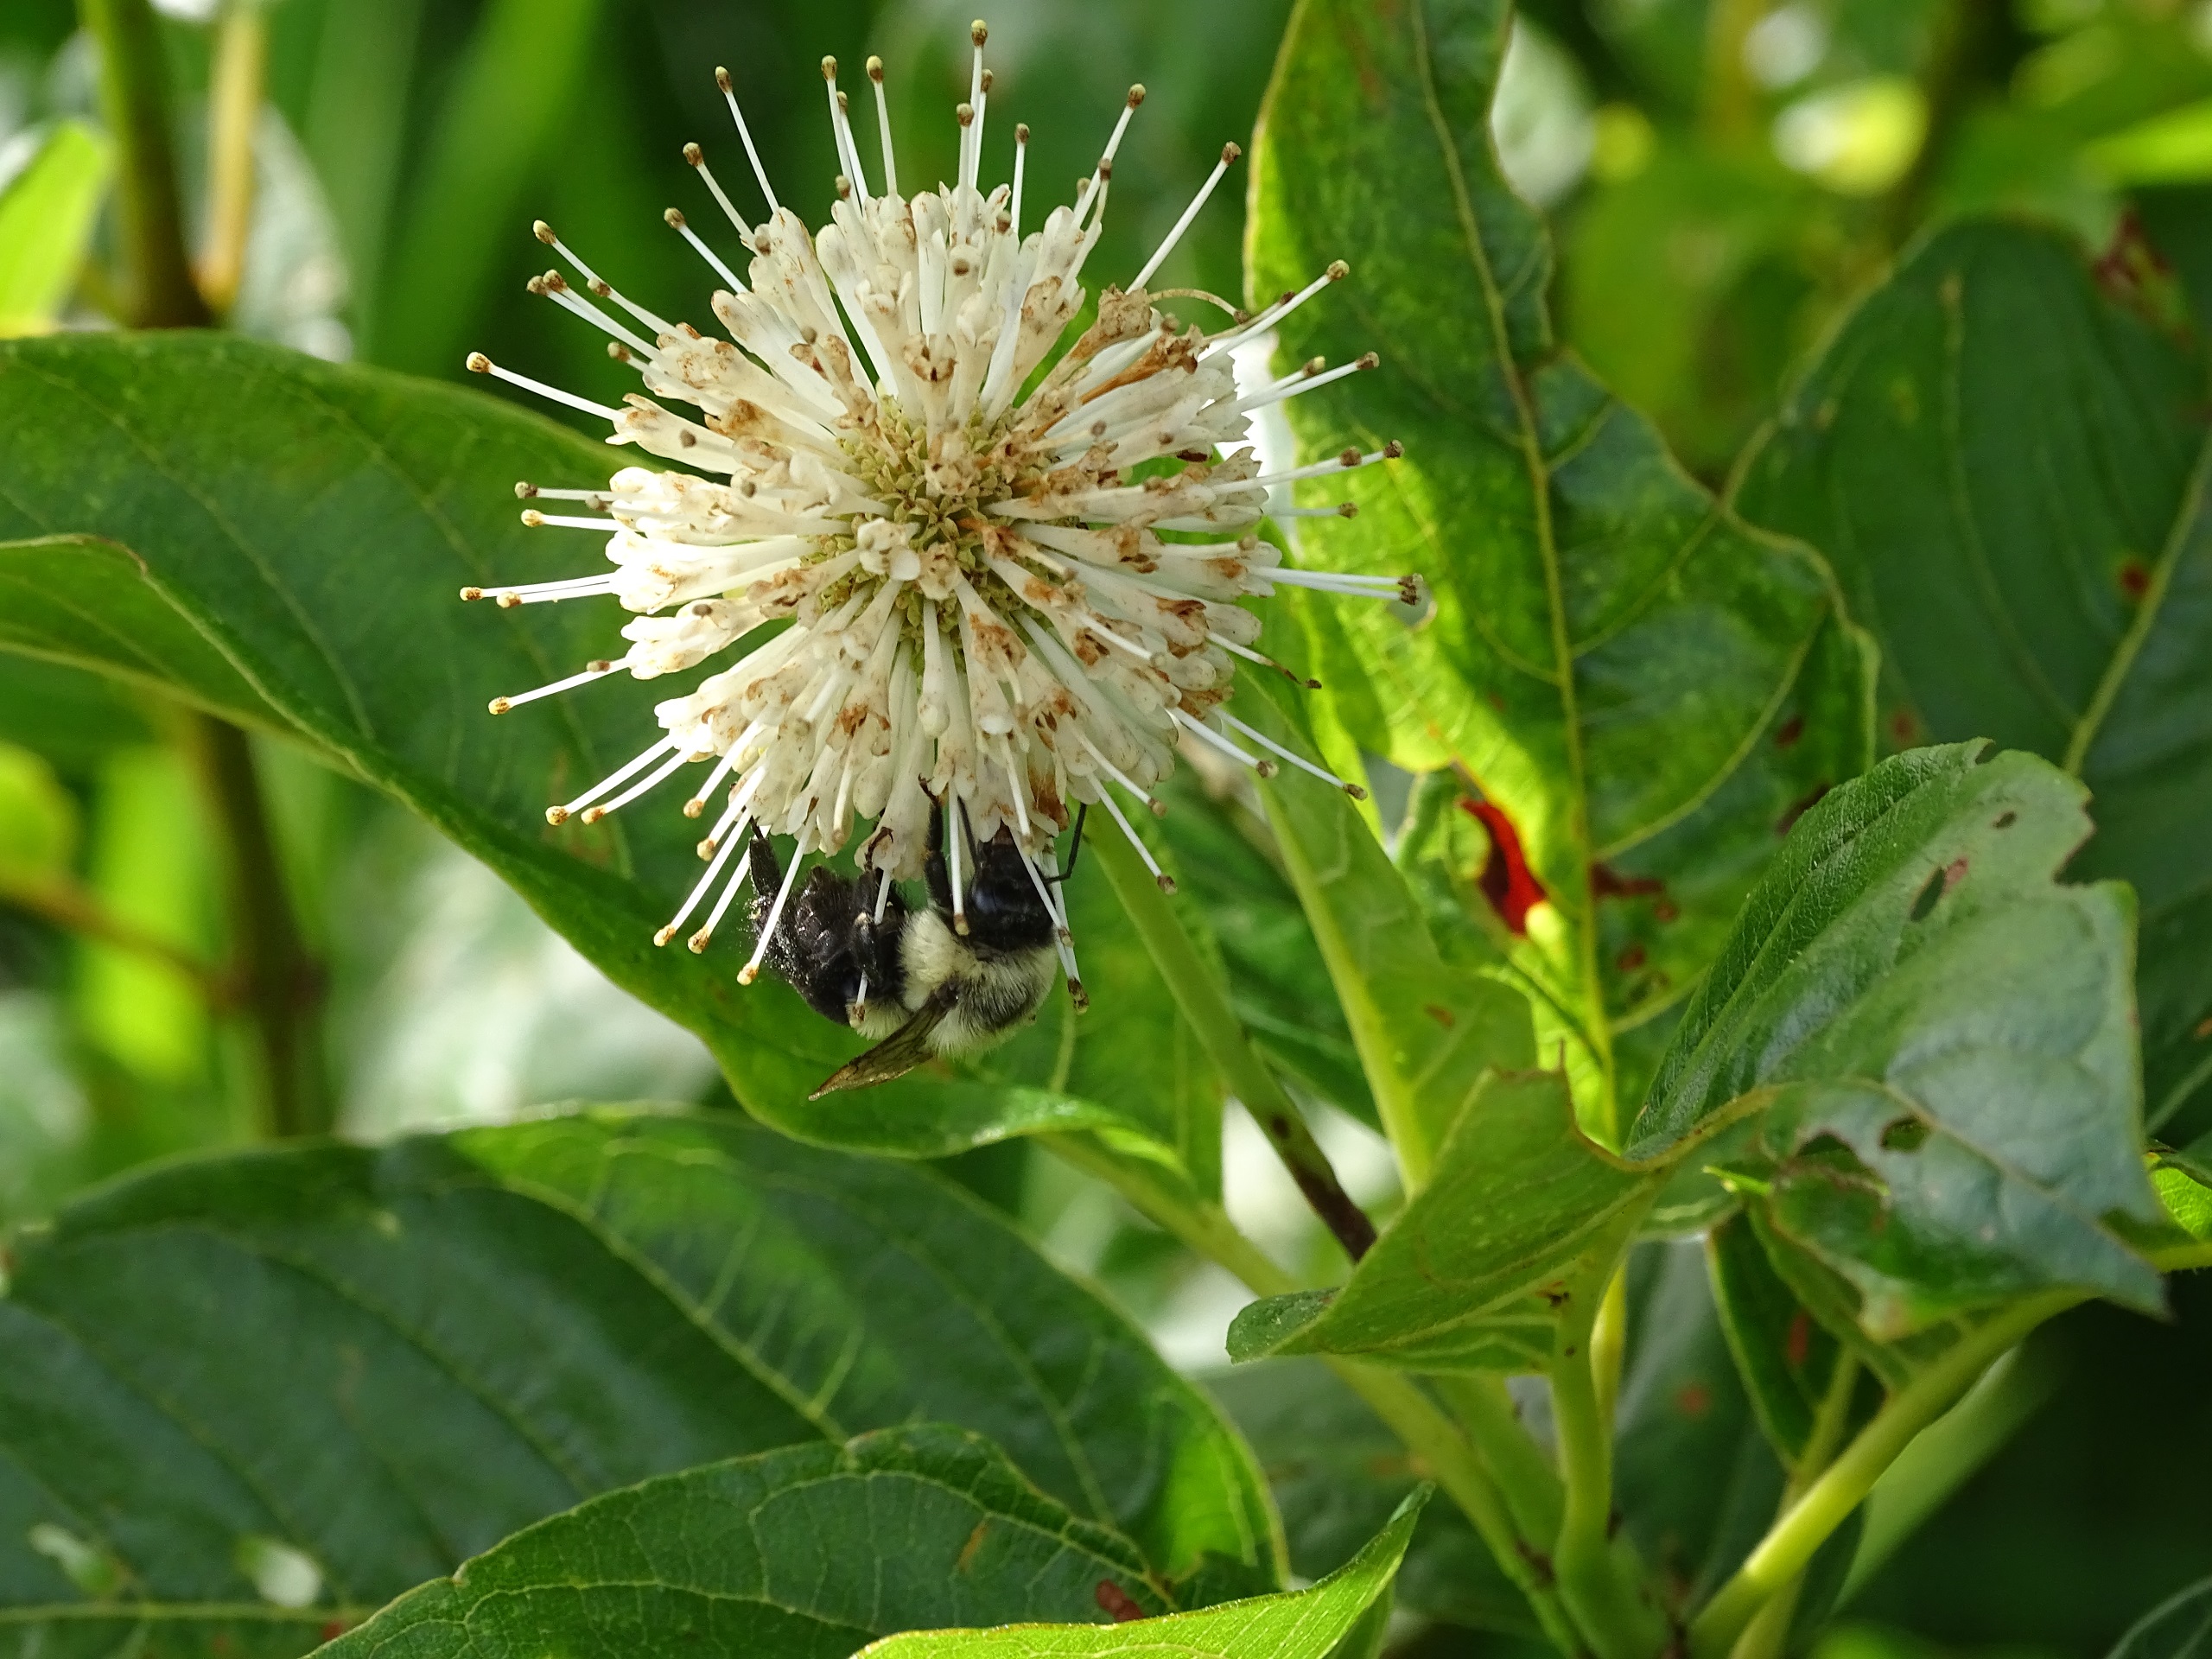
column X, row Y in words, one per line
column 1011, row 584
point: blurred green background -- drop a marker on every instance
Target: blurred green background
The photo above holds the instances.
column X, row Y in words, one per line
column 1722, row 176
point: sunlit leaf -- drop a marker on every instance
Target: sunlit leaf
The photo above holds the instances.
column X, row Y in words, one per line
column 47, row 213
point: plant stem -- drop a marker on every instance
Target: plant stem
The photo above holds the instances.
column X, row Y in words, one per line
column 1602, row 1598
column 1767, row 1636
column 1199, row 996
column 1441, row 1451
column 66, row 903
column 1524, row 1475
column 1824, row 1506
column 280, row 985
column 134, row 97
column 234, row 112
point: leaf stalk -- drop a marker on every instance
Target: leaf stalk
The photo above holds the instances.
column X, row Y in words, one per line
column 134, row 100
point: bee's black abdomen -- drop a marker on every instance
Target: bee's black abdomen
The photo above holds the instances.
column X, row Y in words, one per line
column 827, row 939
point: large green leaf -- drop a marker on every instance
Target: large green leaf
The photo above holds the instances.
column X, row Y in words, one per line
column 1518, row 1197
column 2008, row 470
column 387, row 1361
column 801, row 1553
column 1942, row 1038
column 1293, row 1625
column 1647, row 691
column 296, row 533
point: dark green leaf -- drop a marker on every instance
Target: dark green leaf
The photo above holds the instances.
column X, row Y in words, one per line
column 299, row 533
column 1518, row 1196
column 2181, row 1628
column 1294, row 1625
column 1337, row 1474
column 1646, row 689
column 1942, row 1038
column 476, row 1330
column 2008, row 469
column 801, row 1553
column 1787, row 1357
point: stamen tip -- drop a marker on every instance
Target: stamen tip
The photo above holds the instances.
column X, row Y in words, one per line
column 673, row 219
column 508, row 601
column 1159, row 808
column 979, row 31
column 1229, row 153
column 1021, row 132
column 556, row 815
column 693, row 154
column 1370, row 360
column 594, row 814
column 524, row 489
column 747, row 973
column 1393, row 449
column 876, row 70
column 1167, row 883
column 1338, row 271
column 694, row 807
column 721, row 77
column 499, row 705
column 829, row 68
column 697, row 942
column 472, row 593
column 1348, row 510
column 1265, row 768
column 542, row 230
column 1354, row 791
column 1078, row 997
column 479, row 364
column 665, row 934
column 532, row 516
column 1136, row 95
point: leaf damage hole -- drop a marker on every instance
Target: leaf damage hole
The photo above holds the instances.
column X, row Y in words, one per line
column 1904, row 1135
column 1116, row 1603
column 2005, row 821
column 1507, row 883
column 1938, row 883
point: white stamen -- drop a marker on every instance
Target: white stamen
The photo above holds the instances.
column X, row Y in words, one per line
column 841, row 132
column 1160, row 878
column 682, row 228
column 697, row 158
column 714, row 874
column 1228, row 154
column 971, row 136
column 612, row 781
column 1297, row 760
column 479, row 364
column 569, row 300
column 751, row 969
column 1297, row 385
column 1021, row 164
column 1265, row 768
column 534, row 492
column 739, row 838
column 883, row 128
column 1122, row 778
column 1350, row 461
column 697, row 804
column 599, row 284
column 1092, row 195
column 954, row 826
column 1274, row 314
column 534, row 519
column 761, row 172
column 660, row 774
column 596, row 672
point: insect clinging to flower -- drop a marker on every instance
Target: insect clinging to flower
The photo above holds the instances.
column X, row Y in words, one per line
column 1007, row 573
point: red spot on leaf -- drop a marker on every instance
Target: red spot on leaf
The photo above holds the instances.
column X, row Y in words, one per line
column 1508, row 882
column 2134, row 579
column 333, row 1629
column 1606, row 882
column 1798, row 1344
column 1904, row 726
column 1692, row 1399
column 1441, row 1015
column 1117, row 1603
column 1953, row 873
column 2203, row 1028
column 1665, row 911
column 1787, row 734
column 1631, row 959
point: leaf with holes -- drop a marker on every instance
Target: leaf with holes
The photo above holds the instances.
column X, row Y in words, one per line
column 2008, row 470
column 281, row 540
column 480, row 1329
column 1941, row 1039
column 1645, row 690
column 801, row 1553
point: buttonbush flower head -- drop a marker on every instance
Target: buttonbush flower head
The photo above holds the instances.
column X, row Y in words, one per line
column 1009, row 572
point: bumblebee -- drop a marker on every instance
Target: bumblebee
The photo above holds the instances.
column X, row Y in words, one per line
column 940, row 981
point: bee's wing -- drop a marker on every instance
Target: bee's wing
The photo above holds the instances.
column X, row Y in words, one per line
column 897, row 1054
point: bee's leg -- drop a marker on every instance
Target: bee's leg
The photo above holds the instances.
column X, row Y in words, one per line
column 810, row 948
column 878, row 925
column 1075, row 846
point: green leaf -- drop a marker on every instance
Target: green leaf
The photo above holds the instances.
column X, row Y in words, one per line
column 1337, row 1474
column 297, row 533
column 1941, row 1038
column 800, row 1553
column 1786, row 1357
column 1518, row 1197
column 2180, row 1629
column 476, row 1330
column 1427, row 1031
column 47, row 213
column 1646, row 689
column 2008, row 469
column 38, row 822
column 1295, row 1624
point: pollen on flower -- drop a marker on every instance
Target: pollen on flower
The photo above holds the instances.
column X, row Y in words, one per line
column 998, row 608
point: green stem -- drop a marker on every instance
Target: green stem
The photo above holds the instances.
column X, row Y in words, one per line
column 134, row 97
column 1807, row 1524
column 233, row 112
column 1201, row 997
column 66, row 903
column 1595, row 1580
column 1767, row 1636
column 1440, row 1450
column 280, row 985
column 1524, row 1475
